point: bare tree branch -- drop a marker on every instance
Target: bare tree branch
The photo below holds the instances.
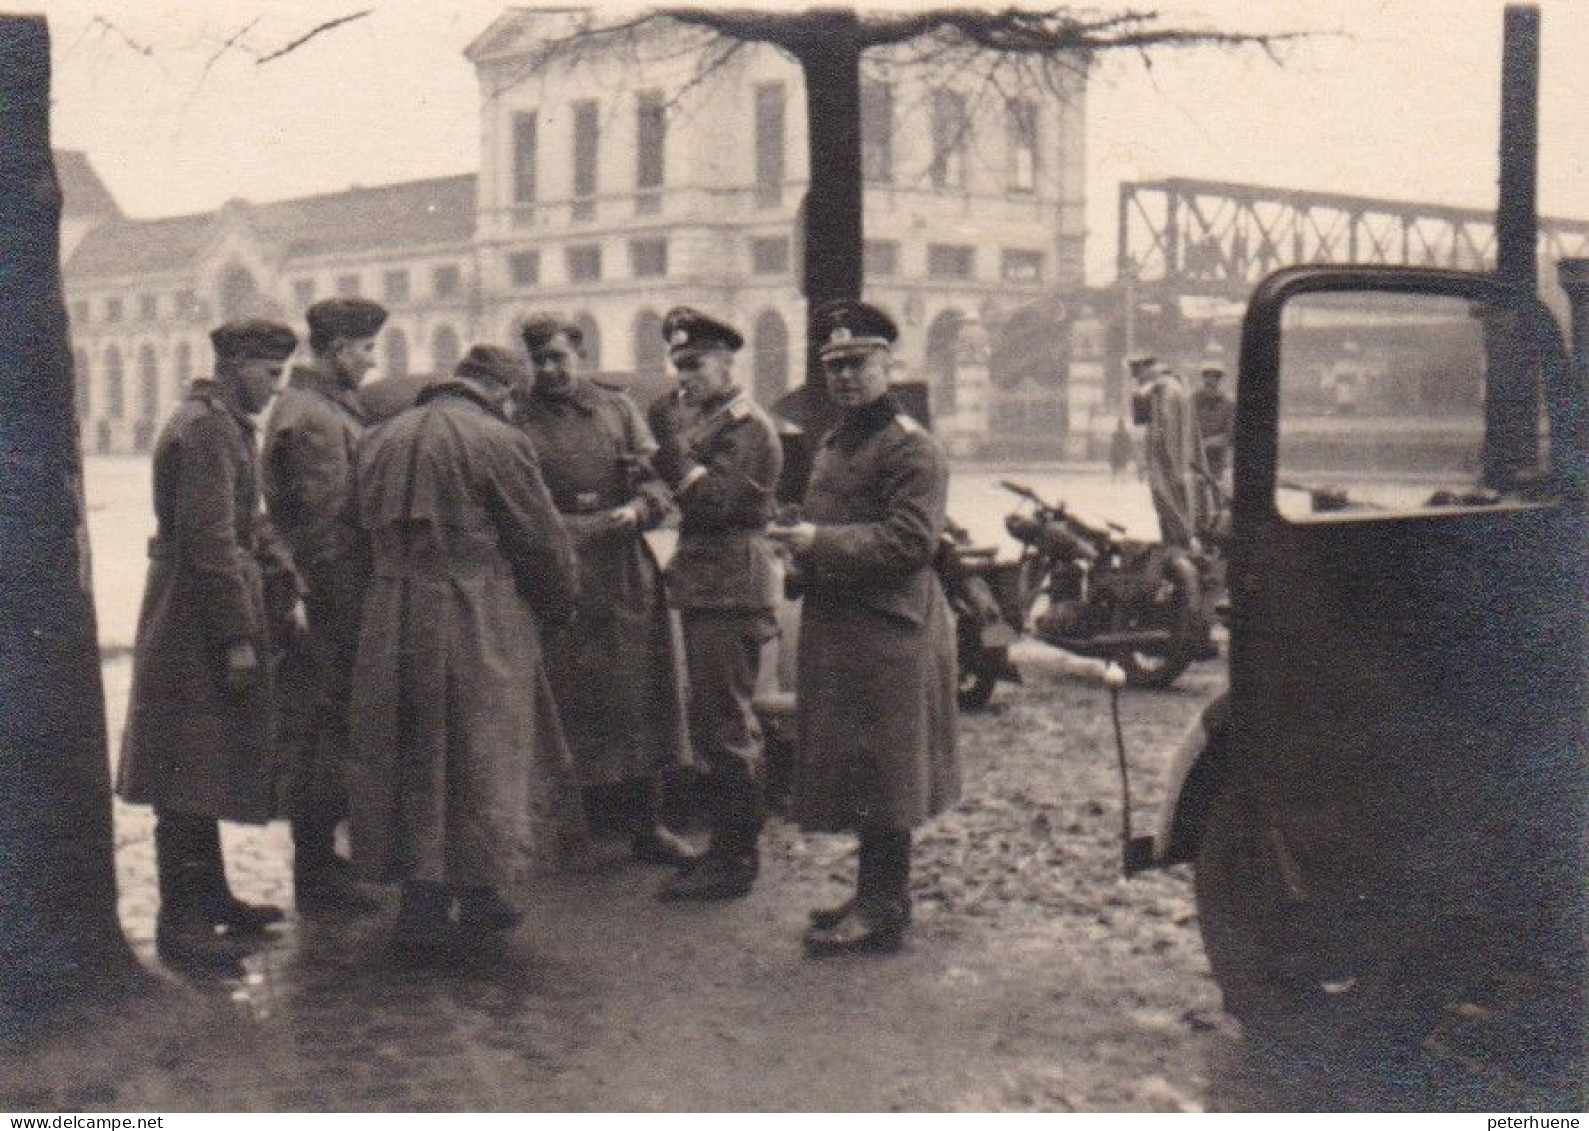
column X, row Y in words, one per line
column 110, row 28
column 310, row 34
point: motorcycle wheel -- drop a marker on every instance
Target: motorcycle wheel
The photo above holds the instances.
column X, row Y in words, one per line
column 1150, row 670
column 1146, row 669
column 977, row 680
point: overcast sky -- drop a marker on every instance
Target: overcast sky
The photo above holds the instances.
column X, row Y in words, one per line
column 1396, row 98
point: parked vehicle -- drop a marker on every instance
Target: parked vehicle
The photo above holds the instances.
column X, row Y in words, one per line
column 1091, row 590
column 1385, row 813
column 985, row 596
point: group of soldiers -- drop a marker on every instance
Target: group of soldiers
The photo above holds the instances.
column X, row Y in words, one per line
column 449, row 627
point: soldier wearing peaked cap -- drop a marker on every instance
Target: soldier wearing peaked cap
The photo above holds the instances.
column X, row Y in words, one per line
column 309, row 458
column 612, row 670
column 197, row 745
column 720, row 454
column 875, row 689
column 458, row 765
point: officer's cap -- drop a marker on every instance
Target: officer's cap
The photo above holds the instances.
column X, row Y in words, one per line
column 1213, row 371
column 334, row 318
column 1137, row 362
column 538, row 329
column 491, row 365
column 688, row 332
column 845, row 326
column 253, row 339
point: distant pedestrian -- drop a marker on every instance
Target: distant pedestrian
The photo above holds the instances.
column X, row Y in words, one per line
column 309, row 461
column 197, row 744
column 454, row 731
column 876, row 686
column 720, row 454
column 611, row 669
column 1216, row 420
column 1171, row 451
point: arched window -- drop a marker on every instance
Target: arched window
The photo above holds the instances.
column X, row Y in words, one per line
column 444, row 351
column 592, row 332
column 396, row 353
column 239, row 294
column 942, row 336
column 650, row 356
column 183, row 367
column 770, row 357
column 115, row 393
column 80, row 382
column 148, row 384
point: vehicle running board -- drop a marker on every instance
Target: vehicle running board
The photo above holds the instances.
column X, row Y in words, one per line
column 1137, row 855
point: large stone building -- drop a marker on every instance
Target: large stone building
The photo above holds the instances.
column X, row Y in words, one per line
column 616, row 181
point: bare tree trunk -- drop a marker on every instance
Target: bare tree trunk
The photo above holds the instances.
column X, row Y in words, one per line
column 59, row 937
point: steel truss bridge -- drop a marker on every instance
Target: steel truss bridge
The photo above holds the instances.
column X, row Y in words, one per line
column 1216, row 238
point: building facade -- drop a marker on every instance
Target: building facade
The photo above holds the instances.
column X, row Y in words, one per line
column 618, row 179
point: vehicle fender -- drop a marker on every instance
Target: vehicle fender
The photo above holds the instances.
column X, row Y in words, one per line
column 1197, row 772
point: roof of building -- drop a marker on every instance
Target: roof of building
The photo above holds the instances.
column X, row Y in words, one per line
column 82, row 192
column 440, row 210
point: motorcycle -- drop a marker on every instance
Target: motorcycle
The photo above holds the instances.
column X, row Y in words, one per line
column 984, row 596
column 1094, row 592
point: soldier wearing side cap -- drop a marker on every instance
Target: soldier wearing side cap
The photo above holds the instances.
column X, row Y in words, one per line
column 458, row 770
column 876, row 680
column 612, row 669
column 720, row 454
column 197, row 742
column 308, row 464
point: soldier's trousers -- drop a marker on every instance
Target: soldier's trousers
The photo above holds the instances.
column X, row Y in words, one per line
column 320, row 791
column 188, row 865
column 722, row 650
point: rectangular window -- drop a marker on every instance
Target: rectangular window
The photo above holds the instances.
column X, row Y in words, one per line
column 524, row 268
column 880, row 258
column 651, row 133
column 148, row 307
column 187, row 304
column 1021, row 164
column 525, row 130
column 445, row 280
column 348, row 286
column 113, row 310
column 395, row 285
column 950, row 135
column 303, row 293
column 769, row 256
column 584, row 263
column 648, row 259
column 80, row 311
column 1022, row 265
column 769, row 144
column 950, row 261
column 587, row 146
column 877, row 132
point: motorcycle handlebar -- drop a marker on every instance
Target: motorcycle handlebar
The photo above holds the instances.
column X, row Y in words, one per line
column 1024, row 492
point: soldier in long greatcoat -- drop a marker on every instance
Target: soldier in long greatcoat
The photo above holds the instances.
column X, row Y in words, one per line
column 876, row 680
column 1172, row 453
column 308, row 464
column 612, row 669
column 459, row 771
column 198, row 744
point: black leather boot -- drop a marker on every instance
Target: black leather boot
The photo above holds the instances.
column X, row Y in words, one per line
column 322, row 882
column 185, row 937
column 425, row 932
column 874, row 921
column 224, row 909
column 484, row 909
column 727, row 871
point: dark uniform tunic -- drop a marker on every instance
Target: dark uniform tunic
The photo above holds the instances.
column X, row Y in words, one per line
column 309, row 461
column 723, row 579
column 458, row 772
column 190, row 745
column 875, row 704
column 612, row 669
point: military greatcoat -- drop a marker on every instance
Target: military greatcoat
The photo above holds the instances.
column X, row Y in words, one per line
column 459, row 773
column 308, row 466
column 190, row 745
column 612, row 669
column 875, row 703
